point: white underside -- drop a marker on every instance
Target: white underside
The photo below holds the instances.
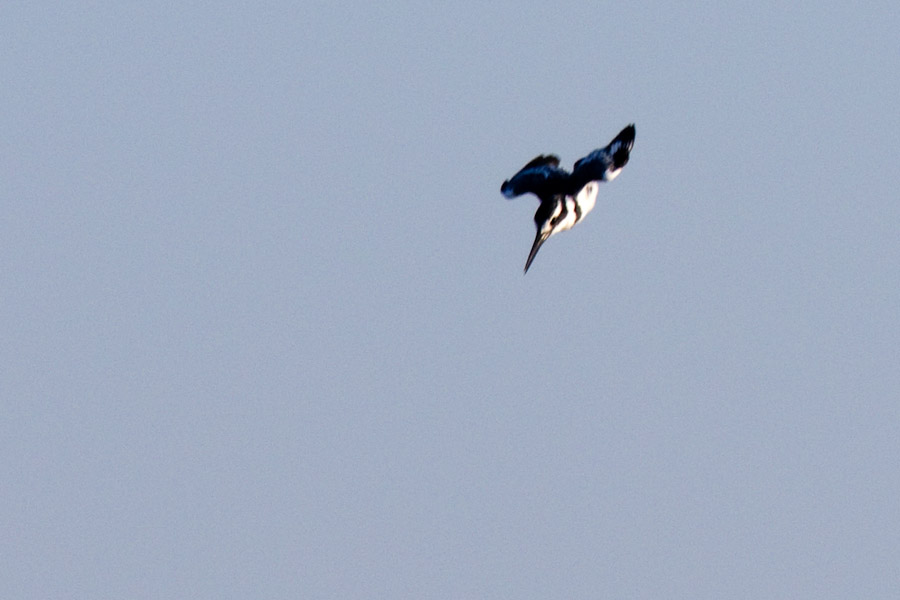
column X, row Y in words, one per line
column 586, row 198
column 570, row 219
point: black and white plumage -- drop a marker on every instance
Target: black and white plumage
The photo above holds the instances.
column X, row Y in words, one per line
column 566, row 198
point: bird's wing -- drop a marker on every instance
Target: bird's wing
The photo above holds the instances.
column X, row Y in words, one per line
column 542, row 177
column 605, row 163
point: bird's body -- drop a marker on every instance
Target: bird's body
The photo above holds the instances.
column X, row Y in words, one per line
column 566, row 198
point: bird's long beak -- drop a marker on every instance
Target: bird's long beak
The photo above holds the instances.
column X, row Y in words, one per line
column 539, row 239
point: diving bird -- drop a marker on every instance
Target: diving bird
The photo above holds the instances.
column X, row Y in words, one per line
column 566, row 198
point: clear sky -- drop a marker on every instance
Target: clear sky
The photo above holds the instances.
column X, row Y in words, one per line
column 265, row 332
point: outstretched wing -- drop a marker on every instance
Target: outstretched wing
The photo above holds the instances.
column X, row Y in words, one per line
column 604, row 164
column 542, row 177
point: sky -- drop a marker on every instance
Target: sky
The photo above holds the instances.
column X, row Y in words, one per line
column 265, row 331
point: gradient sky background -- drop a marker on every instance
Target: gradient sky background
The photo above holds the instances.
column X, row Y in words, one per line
column 265, row 332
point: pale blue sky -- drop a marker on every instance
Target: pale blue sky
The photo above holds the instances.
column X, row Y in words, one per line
column 265, row 332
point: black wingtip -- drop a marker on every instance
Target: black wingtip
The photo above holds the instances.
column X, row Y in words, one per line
column 541, row 160
column 625, row 139
column 627, row 134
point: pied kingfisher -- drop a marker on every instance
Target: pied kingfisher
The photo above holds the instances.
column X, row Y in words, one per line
column 567, row 197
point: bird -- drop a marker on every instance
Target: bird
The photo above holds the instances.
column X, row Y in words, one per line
column 566, row 198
